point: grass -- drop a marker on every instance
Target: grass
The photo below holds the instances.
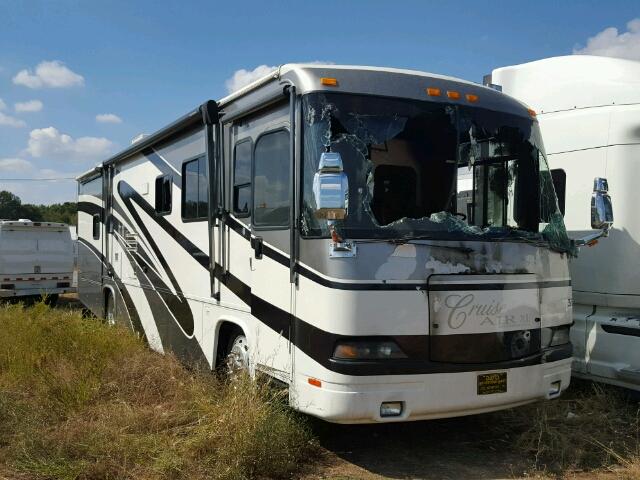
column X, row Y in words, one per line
column 590, row 428
column 81, row 400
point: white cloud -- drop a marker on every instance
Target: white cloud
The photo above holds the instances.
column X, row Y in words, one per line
column 611, row 43
column 53, row 74
column 108, row 118
column 15, row 165
column 50, row 143
column 3, row 105
column 28, row 106
column 242, row 77
column 9, row 121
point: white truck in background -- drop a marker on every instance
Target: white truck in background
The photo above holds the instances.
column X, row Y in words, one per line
column 588, row 109
column 36, row 259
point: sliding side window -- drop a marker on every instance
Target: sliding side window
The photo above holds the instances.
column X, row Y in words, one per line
column 271, row 180
column 195, row 191
column 163, row 194
column 242, row 179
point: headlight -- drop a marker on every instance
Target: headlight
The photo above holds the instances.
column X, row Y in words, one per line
column 560, row 336
column 552, row 337
column 367, row 350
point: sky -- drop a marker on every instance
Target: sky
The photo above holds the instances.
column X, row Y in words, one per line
column 79, row 79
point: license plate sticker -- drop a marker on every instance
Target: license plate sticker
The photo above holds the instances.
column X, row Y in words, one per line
column 490, row 383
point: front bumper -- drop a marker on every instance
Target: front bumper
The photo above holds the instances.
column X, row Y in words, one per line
column 428, row 396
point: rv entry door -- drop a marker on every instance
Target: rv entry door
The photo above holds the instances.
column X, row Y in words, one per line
column 271, row 289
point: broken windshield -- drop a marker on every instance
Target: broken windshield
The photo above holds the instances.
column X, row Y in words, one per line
column 420, row 169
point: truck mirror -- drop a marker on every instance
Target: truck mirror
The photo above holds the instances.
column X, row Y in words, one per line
column 331, row 188
column 601, row 209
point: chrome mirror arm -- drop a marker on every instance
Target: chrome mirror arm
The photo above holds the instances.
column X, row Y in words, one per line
column 591, row 239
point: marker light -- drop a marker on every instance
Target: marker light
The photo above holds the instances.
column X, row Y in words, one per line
column 532, row 112
column 452, row 94
column 315, row 382
column 329, row 82
column 433, row 92
column 471, row 97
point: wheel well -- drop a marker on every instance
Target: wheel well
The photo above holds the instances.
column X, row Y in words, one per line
column 226, row 331
column 106, row 294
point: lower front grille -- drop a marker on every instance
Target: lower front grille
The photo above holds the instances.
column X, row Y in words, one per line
column 484, row 347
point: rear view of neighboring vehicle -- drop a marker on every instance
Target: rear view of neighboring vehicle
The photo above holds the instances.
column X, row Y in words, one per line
column 36, row 259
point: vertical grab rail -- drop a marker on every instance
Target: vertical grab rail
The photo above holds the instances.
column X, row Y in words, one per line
column 293, row 218
column 210, row 117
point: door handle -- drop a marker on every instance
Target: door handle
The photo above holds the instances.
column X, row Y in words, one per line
column 256, row 244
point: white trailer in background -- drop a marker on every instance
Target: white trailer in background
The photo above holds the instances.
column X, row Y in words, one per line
column 36, row 259
column 589, row 112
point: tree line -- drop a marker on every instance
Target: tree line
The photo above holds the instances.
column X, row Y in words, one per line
column 12, row 208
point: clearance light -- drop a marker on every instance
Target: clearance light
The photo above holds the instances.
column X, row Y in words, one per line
column 452, row 94
column 329, row 82
column 315, row 382
column 532, row 112
column 433, row 92
column 471, row 97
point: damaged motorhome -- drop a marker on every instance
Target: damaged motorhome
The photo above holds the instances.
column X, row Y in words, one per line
column 387, row 243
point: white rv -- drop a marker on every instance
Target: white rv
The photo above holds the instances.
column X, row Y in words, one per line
column 36, row 259
column 589, row 113
column 385, row 242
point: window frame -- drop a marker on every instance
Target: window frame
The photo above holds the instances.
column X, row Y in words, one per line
column 233, row 179
column 183, row 192
column 163, row 212
column 253, row 183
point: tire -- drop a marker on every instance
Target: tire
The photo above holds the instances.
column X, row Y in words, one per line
column 237, row 354
column 51, row 300
column 109, row 309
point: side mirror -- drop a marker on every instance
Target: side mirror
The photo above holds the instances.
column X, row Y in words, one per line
column 601, row 213
column 331, row 188
column 601, row 209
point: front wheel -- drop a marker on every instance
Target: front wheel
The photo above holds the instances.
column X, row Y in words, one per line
column 237, row 354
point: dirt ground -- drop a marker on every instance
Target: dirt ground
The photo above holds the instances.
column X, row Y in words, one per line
column 448, row 449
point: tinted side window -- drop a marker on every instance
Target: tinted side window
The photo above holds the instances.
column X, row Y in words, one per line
column 96, row 227
column 92, row 187
column 560, row 185
column 242, row 179
column 163, row 194
column 271, row 180
column 194, row 189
